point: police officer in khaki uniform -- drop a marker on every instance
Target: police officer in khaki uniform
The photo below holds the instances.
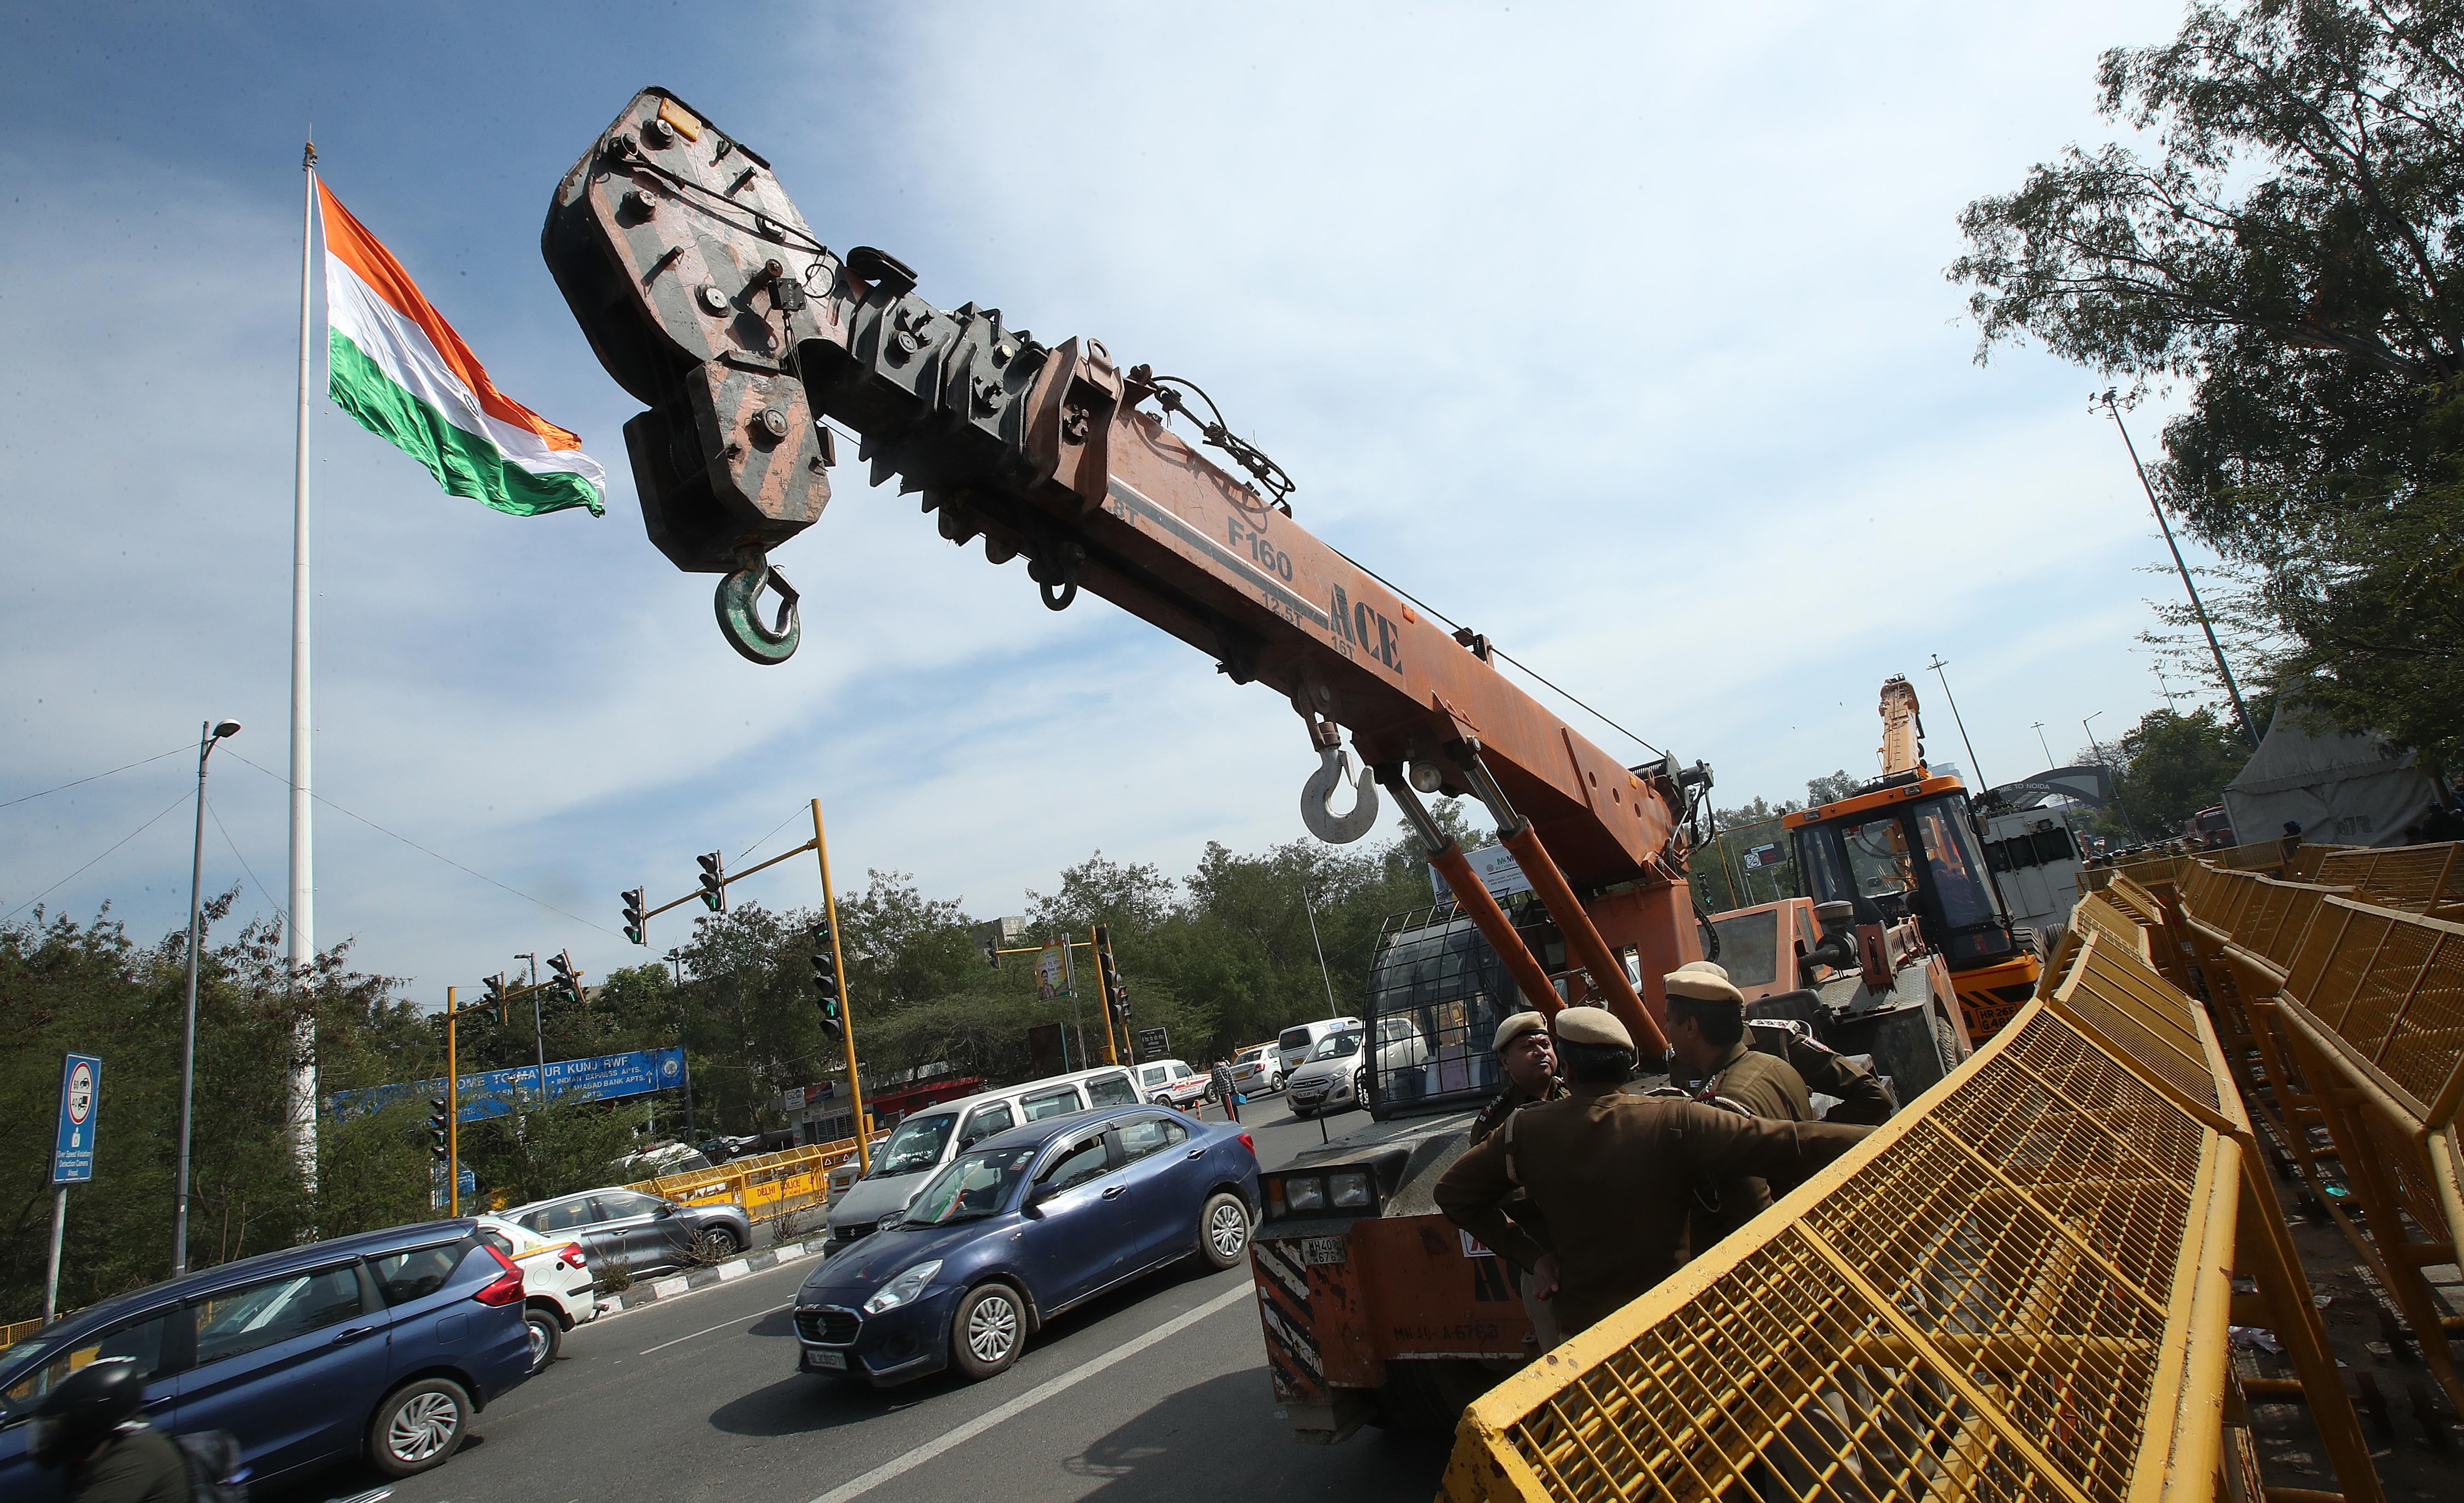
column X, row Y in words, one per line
column 1706, row 1034
column 1861, row 1096
column 1614, row 1174
column 1530, row 1056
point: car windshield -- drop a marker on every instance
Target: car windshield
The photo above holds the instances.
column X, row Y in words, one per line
column 1336, row 1046
column 918, row 1144
column 975, row 1184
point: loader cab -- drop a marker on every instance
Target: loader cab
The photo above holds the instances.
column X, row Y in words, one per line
column 1907, row 847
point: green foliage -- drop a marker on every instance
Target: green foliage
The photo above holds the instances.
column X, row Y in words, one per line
column 1225, row 956
column 2169, row 766
column 2293, row 255
column 87, row 988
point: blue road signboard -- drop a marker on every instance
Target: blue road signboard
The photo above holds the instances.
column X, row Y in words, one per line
column 500, row 1092
column 80, row 1087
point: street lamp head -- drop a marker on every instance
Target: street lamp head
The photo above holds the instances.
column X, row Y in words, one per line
column 226, row 728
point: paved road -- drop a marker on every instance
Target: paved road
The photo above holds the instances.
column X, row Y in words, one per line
column 1157, row 1389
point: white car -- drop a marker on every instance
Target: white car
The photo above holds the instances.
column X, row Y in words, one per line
column 1256, row 1070
column 1294, row 1044
column 558, row 1290
column 1170, row 1082
column 1335, row 1075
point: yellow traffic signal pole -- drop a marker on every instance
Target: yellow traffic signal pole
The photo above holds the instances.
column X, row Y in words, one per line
column 846, row 1009
column 452, row 1112
column 1103, row 988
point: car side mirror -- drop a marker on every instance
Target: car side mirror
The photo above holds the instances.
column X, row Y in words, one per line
column 1043, row 1192
column 664, row 1210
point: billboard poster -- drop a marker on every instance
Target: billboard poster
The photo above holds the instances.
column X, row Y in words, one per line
column 500, row 1093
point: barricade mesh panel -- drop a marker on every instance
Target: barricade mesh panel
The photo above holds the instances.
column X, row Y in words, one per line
column 1978, row 1309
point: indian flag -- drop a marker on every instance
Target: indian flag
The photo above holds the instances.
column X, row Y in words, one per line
column 400, row 368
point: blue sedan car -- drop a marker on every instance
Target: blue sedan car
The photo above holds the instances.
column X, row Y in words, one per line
column 1019, row 1228
column 381, row 1345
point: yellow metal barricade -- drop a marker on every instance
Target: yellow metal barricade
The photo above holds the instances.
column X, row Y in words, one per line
column 2018, row 1288
column 2419, row 879
column 767, row 1187
column 2358, row 1011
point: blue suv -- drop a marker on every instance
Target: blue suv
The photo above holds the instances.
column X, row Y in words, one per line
column 1019, row 1228
column 381, row 1345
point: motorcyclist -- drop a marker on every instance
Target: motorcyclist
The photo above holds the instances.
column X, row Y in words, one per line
column 92, row 1425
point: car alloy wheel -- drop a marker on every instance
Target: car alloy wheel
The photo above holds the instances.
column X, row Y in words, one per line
column 714, row 1244
column 1227, row 1229
column 418, row 1426
column 545, row 1337
column 992, row 1329
column 1361, row 1085
column 988, row 1329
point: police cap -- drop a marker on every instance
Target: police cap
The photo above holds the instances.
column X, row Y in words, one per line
column 1515, row 1027
column 1593, row 1026
column 1706, row 967
column 1703, row 986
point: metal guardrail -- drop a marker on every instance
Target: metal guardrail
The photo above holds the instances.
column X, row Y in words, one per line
column 2020, row 1287
column 2355, row 1011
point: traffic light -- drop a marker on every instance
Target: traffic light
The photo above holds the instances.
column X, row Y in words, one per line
column 495, row 997
column 826, row 994
column 438, row 1130
column 1107, row 971
column 567, row 980
column 713, row 881
column 637, row 924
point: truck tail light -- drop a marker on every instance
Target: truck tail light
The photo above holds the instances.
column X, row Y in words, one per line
column 506, row 1288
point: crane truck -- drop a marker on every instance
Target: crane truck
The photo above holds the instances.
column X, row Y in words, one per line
column 707, row 296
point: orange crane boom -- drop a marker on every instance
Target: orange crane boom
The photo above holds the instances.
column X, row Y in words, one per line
column 706, row 295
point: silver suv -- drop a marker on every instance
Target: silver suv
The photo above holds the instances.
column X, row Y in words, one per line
column 640, row 1233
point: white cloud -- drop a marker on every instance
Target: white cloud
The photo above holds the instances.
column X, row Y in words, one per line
column 1621, row 334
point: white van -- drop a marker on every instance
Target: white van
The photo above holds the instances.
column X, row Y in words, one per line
column 931, row 1138
column 1294, row 1043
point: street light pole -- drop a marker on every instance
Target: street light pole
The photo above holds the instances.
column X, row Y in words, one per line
column 207, row 736
column 2114, row 772
column 1973, row 770
column 2241, row 711
column 1320, row 945
column 2038, row 726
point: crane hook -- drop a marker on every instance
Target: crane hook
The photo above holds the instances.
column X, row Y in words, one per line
column 738, row 602
column 1334, row 769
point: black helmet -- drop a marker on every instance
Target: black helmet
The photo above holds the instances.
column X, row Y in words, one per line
column 82, row 1413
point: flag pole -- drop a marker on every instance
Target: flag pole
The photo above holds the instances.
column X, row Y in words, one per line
column 300, row 933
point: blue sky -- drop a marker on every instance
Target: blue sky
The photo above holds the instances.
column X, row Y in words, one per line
column 1619, row 334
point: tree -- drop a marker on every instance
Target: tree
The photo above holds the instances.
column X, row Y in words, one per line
column 2169, row 766
column 2292, row 255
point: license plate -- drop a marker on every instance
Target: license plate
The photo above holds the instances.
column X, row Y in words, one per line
column 1324, row 1249
column 834, row 1362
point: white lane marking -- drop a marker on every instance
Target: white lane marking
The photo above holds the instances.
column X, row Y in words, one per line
column 613, row 1312
column 1028, row 1399
column 721, row 1326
